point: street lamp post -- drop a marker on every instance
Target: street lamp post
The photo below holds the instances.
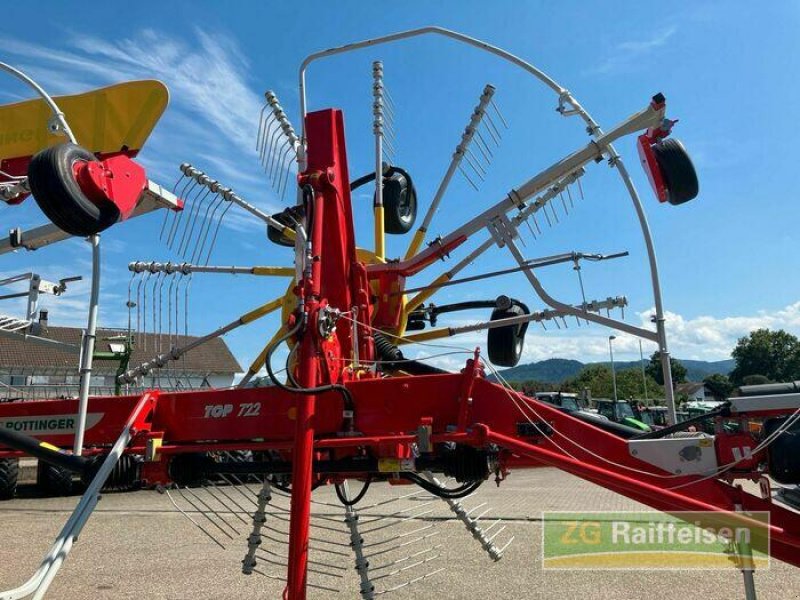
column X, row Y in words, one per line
column 644, row 375
column 611, row 338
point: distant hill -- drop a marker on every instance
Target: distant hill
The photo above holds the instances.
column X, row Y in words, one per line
column 556, row 370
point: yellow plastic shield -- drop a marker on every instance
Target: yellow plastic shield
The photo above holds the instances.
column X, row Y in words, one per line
column 110, row 119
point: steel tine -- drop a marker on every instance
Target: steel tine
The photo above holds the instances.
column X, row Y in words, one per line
column 190, row 184
column 202, row 512
column 490, row 130
column 569, row 195
column 261, row 124
column 205, row 225
column 406, row 558
column 507, row 544
column 231, row 500
column 144, row 308
column 493, row 126
column 413, row 581
column 275, row 160
column 478, row 161
column 482, row 142
column 216, row 232
column 461, row 170
column 189, row 208
column 496, row 533
column 389, row 98
column 268, row 128
column 211, row 509
column 486, row 156
column 547, row 216
column 400, row 536
column 553, row 210
column 499, row 114
column 530, row 229
column 184, row 247
column 563, row 203
column 211, row 221
column 474, row 167
column 286, row 168
column 493, row 525
column 267, row 148
column 167, row 212
column 406, row 568
column 196, row 524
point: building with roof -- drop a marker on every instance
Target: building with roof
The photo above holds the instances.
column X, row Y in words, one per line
column 31, row 370
column 694, row 391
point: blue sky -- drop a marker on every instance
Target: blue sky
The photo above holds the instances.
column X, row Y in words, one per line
column 728, row 71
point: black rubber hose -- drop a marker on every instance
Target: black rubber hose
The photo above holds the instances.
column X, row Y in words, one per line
column 362, row 181
column 346, row 395
column 44, row 451
column 443, row 492
column 357, row 498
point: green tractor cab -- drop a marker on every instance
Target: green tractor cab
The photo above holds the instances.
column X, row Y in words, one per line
column 653, row 416
column 620, row 412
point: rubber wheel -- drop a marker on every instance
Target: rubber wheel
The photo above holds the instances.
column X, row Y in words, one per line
column 677, row 170
column 505, row 344
column 52, row 480
column 58, row 194
column 189, row 469
column 399, row 203
column 9, row 474
column 288, row 217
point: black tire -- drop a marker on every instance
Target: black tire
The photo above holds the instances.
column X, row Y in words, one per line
column 399, row 202
column 677, row 170
column 505, row 344
column 190, row 469
column 60, row 197
column 9, row 474
column 125, row 476
column 52, row 480
column 289, row 217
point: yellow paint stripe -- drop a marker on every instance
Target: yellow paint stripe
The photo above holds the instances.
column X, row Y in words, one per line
column 416, row 243
column 380, row 234
column 262, row 310
column 433, row 334
column 274, row 271
column 47, row 446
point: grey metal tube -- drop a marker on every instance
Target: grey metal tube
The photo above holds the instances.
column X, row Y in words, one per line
column 87, row 347
column 596, row 132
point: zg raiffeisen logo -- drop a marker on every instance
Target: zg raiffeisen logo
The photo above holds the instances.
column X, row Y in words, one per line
column 653, row 540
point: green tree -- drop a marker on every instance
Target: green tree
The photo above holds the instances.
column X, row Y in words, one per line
column 654, row 370
column 755, row 380
column 773, row 354
column 597, row 379
column 719, row 385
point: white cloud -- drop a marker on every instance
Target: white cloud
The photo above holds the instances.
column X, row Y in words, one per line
column 627, row 54
column 698, row 338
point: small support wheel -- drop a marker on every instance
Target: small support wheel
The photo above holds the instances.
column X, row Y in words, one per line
column 399, row 202
column 677, row 169
column 52, row 480
column 56, row 191
column 505, row 344
column 9, row 474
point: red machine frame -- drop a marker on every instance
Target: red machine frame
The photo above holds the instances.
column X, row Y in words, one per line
column 368, row 415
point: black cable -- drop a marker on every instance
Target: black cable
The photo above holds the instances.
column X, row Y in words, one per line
column 443, row 492
column 358, row 497
column 348, row 397
column 362, row 181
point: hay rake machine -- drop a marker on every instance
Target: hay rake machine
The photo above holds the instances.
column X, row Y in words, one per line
column 248, row 464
